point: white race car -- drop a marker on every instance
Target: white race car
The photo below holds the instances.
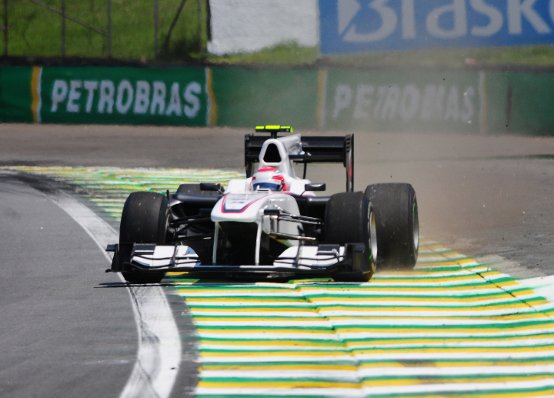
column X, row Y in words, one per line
column 271, row 225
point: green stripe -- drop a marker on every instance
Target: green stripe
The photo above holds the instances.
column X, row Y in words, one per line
column 276, row 297
column 431, row 328
column 369, row 340
column 362, row 307
column 329, row 378
column 314, row 362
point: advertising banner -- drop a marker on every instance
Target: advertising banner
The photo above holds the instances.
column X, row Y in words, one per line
column 15, row 94
column 247, row 96
column 394, row 25
column 124, row 95
column 422, row 100
column 527, row 108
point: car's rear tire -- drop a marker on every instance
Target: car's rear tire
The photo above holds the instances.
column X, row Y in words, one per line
column 144, row 220
column 349, row 218
column 395, row 206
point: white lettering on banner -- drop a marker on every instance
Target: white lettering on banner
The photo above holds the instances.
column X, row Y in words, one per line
column 408, row 20
column 124, row 97
column 140, row 97
column 174, row 107
column 408, row 103
column 107, row 90
column 343, row 99
column 158, row 98
column 74, row 96
column 376, row 20
column 59, row 93
column 468, row 110
column 192, row 102
column 388, row 18
column 363, row 101
column 391, row 103
column 517, row 9
column 494, row 16
column 457, row 11
column 91, row 86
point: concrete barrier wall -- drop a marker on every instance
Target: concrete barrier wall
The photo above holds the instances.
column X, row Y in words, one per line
column 327, row 98
column 251, row 25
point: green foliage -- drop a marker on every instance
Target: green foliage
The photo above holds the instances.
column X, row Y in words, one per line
column 282, row 54
column 35, row 29
column 531, row 56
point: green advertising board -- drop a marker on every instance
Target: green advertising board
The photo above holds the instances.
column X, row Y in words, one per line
column 402, row 100
column 15, row 94
column 250, row 96
column 529, row 103
column 358, row 100
column 124, row 95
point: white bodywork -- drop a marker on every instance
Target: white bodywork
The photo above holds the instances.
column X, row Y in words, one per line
column 242, row 204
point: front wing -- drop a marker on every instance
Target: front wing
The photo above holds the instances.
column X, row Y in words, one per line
column 322, row 260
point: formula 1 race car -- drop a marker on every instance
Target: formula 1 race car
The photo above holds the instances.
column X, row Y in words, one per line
column 271, row 224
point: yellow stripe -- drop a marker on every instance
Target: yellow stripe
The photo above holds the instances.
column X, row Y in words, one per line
column 410, row 380
column 240, row 320
column 434, row 329
column 418, row 342
column 278, row 366
column 449, row 350
column 311, row 292
column 404, row 381
column 212, row 100
column 223, row 310
column 321, row 97
column 290, row 332
column 358, row 300
column 402, row 307
column 277, row 354
column 276, row 384
column 424, row 278
column 272, row 343
column 315, row 319
column 35, row 93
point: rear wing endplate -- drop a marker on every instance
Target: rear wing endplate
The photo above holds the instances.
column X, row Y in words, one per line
column 317, row 149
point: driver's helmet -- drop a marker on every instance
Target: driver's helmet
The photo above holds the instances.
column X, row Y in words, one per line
column 268, row 179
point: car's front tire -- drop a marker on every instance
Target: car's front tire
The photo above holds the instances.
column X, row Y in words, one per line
column 349, row 218
column 144, row 219
column 396, row 211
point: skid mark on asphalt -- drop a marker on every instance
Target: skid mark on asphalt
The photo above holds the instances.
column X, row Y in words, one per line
column 452, row 327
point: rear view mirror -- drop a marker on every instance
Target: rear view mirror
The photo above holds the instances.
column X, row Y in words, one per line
column 315, row 187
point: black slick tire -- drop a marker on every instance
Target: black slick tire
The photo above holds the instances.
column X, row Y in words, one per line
column 144, row 220
column 349, row 218
column 395, row 206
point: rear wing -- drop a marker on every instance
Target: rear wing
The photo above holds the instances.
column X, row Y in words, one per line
column 318, row 149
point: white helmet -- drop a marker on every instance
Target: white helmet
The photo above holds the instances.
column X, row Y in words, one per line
column 268, row 179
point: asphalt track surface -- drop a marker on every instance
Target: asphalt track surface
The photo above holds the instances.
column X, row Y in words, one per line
column 54, row 305
column 67, row 329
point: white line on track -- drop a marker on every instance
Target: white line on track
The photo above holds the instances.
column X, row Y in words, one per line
column 543, row 286
column 375, row 373
column 159, row 345
column 424, row 389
